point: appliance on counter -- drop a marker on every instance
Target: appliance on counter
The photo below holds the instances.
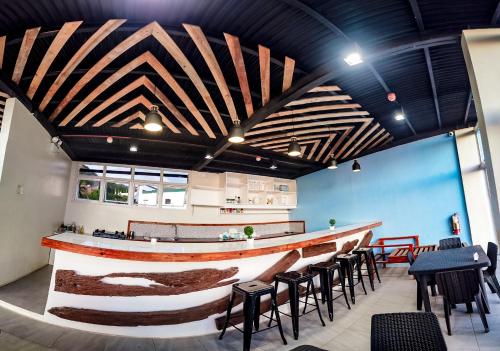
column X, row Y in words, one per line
column 110, row 235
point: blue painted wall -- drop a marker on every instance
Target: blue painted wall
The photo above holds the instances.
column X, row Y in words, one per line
column 412, row 188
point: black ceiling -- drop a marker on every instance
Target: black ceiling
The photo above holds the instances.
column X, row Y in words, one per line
column 410, row 47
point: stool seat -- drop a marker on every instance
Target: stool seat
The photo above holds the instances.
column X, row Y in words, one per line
column 293, row 276
column 362, row 249
column 254, row 287
column 349, row 257
column 330, row 266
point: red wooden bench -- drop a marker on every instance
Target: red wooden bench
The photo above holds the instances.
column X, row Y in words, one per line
column 398, row 252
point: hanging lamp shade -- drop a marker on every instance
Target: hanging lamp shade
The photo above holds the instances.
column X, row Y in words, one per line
column 356, row 167
column 294, row 148
column 332, row 164
column 236, row 135
column 153, row 121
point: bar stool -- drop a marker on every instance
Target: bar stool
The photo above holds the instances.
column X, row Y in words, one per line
column 326, row 271
column 348, row 262
column 294, row 279
column 366, row 254
column 252, row 291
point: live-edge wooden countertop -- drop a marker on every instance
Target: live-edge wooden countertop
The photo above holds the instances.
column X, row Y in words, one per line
column 194, row 252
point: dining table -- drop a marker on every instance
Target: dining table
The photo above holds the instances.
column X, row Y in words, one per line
column 430, row 263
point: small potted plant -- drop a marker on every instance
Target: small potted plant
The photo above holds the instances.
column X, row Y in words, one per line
column 332, row 224
column 248, row 230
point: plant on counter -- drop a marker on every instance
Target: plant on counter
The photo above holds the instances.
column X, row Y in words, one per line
column 248, row 230
column 332, row 223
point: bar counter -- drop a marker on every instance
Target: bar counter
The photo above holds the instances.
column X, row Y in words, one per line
column 170, row 289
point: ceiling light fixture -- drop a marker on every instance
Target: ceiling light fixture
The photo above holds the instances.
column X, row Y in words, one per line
column 356, row 167
column 399, row 116
column 133, row 148
column 209, row 155
column 236, row 135
column 273, row 165
column 153, row 121
column 353, row 59
column 109, row 140
column 294, row 148
column 333, row 163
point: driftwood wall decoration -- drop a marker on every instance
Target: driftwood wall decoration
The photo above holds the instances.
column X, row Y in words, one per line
column 191, row 314
column 69, row 281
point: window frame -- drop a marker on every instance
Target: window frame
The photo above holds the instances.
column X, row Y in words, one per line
column 132, row 182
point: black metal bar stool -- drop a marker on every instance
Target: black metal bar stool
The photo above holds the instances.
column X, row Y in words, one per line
column 349, row 262
column 326, row 271
column 252, row 291
column 366, row 255
column 294, row 279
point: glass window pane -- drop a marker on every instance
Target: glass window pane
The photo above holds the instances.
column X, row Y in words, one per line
column 147, row 174
column 146, row 194
column 91, row 170
column 174, row 197
column 89, row 189
column 175, row 177
column 116, row 193
column 118, row 172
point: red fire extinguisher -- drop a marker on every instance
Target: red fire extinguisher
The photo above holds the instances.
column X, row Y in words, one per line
column 455, row 224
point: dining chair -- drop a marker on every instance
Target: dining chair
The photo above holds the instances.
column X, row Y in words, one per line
column 450, row 243
column 431, row 282
column 460, row 287
column 489, row 274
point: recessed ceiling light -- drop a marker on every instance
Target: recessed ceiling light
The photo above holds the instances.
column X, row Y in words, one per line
column 273, row 165
column 133, row 148
column 209, row 155
column 399, row 116
column 353, row 59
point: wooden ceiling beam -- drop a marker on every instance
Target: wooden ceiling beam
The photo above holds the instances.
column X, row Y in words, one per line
column 2, row 49
column 265, row 74
column 369, row 141
column 288, row 73
column 338, row 143
column 363, row 138
column 354, row 137
column 308, row 125
column 313, row 149
column 384, row 137
column 138, row 114
column 324, row 88
column 233, row 44
column 318, row 99
column 314, row 109
column 301, row 142
column 24, row 52
column 283, row 140
column 169, row 44
column 55, row 47
column 325, row 146
column 312, row 118
column 206, row 51
column 95, row 39
column 295, row 133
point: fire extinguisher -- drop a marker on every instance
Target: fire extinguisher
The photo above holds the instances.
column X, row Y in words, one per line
column 455, row 224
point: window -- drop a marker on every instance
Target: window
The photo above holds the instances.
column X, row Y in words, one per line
column 146, row 194
column 173, row 196
column 134, row 186
column 116, row 193
column 89, row 189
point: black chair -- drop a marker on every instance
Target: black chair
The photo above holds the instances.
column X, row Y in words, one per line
column 450, row 243
column 410, row 331
column 460, row 287
column 489, row 274
column 252, row 292
column 431, row 283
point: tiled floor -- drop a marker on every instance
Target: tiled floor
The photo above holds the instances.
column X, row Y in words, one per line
column 350, row 330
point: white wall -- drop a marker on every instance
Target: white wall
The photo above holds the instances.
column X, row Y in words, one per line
column 93, row 215
column 476, row 190
column 28, row 160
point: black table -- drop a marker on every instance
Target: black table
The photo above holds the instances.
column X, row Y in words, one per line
column 406, row 332
column 430, row 263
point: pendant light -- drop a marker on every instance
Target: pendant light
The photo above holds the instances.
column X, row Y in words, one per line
column 236, row 135
column 153, row 121
column 333, row 163
column 294, row 148
column 356, row 167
